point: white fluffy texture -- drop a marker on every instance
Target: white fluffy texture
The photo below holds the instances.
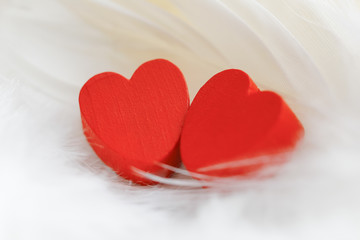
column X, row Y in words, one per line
column 53, row 186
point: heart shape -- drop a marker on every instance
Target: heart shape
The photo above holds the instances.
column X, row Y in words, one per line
column 232, row 128
column 136, row 124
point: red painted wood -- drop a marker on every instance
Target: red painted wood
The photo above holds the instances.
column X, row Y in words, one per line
column 231, row 123
column 137, row 122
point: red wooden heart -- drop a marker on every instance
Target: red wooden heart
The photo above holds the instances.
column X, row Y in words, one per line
column 231, row 124
column 136, row 124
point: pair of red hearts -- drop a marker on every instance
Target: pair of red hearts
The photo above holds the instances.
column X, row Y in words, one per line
column 146, row 122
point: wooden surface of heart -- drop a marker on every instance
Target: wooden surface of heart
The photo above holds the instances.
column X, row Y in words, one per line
column 136, row 124
column 234, row 129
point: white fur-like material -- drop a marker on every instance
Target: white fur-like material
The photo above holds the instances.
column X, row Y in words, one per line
column 53, row 186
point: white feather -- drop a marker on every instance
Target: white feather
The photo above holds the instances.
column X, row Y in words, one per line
column 54, row 187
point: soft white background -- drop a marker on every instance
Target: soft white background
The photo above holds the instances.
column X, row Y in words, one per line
column 52, row 186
